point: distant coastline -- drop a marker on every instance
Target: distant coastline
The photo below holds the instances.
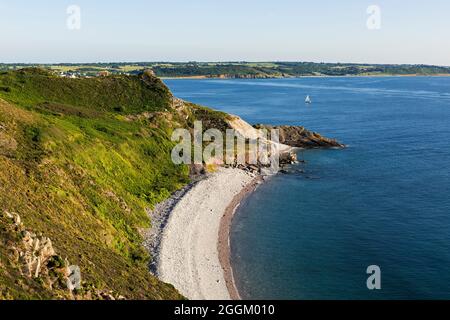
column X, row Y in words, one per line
column 236, row 69
column 299, row 77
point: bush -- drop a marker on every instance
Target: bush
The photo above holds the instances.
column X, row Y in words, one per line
column 56, row 262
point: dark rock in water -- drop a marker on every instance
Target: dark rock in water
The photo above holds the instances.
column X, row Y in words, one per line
column 288, row 158
column 284, row 171
column 300, row 137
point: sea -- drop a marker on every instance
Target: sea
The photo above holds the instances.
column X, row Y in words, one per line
column 383, row 201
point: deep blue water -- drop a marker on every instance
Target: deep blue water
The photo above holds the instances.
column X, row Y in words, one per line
column 385, row 200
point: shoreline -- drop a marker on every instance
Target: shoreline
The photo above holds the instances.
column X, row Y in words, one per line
column 190, row 235
column 190, row 254
column 203, row 77
column 224, row 244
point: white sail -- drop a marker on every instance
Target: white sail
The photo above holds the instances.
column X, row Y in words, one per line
column 308, row 99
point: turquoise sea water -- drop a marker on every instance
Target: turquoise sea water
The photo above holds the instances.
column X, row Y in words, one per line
column 385, row 200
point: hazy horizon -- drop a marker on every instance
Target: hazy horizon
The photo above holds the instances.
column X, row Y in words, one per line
column 409, row 32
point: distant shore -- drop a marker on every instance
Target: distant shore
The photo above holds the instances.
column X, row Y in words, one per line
column 299, row 77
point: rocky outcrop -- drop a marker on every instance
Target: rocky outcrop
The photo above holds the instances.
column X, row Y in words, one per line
column 33, row 253
column 301, row 138
column 288, row 158
column 249, row 76
column 34, row 256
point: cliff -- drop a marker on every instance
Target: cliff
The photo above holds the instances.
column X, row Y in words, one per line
column 83, row 161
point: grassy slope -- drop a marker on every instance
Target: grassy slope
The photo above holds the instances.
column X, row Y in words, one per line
column 79, row 171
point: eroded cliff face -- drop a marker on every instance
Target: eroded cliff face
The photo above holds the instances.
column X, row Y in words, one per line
column 289, row 136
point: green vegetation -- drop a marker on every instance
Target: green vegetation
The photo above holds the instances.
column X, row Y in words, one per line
column 242, row 69
column 128, row 94
column 291, row 69
column 82, row 160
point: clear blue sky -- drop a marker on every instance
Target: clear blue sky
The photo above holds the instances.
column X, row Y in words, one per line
column 413, row 31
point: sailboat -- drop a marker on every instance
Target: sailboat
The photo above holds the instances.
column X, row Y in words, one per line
column 308, row 100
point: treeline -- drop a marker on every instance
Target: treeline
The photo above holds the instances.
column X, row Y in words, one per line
column 249, row 69
column 294, row 69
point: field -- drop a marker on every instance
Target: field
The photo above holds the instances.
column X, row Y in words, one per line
column 238, row 69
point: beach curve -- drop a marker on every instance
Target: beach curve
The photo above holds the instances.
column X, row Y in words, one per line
column 193, row 254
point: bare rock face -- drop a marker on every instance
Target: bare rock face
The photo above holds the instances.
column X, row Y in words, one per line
column 149, row 73
column 288, row 158
column 34, row 254
column 35, row 258
column 301, row 138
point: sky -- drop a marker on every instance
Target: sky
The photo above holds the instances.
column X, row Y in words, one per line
column 414, row 31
